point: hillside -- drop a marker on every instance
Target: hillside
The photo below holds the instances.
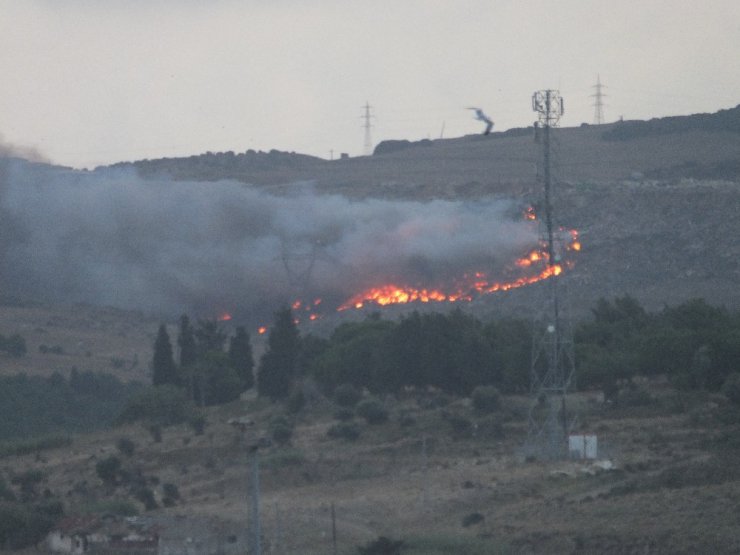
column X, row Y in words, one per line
column 655, row 202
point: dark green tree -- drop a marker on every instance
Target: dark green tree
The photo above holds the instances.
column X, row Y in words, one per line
column 277, row 367
column 164, row 370
column 215, row 379
column 186, row 342
column 240, row 355
column 209, row 337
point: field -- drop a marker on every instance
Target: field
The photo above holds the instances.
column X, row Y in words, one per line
column 666, row 480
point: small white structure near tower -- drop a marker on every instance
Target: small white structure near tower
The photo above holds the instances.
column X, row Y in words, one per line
column 583, row 446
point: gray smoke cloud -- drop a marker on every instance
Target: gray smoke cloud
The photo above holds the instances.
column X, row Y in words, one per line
column 109, row 237
column 10, row 150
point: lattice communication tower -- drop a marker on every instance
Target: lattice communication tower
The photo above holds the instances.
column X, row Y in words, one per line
column 553, row 368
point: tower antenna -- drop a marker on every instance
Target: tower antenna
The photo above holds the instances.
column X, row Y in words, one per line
column 598, row 104
column 553, row 365
column 367, row 116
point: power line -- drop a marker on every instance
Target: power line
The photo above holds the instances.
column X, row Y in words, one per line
column 598, row 104
column 367, row 116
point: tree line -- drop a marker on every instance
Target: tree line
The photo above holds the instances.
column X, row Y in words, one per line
column 208, row 374
column 694, row 344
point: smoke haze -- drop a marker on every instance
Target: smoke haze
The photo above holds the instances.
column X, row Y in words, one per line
column 109, row 237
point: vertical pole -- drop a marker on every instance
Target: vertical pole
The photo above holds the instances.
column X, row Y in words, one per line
column 256, row 543
column 425, row 464
column 278, row 529
column 333, row 529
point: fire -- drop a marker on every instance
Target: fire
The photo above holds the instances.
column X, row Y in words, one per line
column 535, row 264
column 470, row 285
column 224, row 317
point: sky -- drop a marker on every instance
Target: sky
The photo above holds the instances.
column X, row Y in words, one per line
column 91, row 82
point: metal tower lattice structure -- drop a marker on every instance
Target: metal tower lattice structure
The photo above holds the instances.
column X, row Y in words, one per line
column 553, row 367
column 367, row 116
column 598, row 104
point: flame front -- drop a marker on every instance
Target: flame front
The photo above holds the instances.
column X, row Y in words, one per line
column 535, row 264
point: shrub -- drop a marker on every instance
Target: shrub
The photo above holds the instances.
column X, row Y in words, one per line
column 108, row 469
column 170, row 494
column 471, row 519
column 348, row 431
column 146, row 496
column 486, row 399
column 126, row 446
column 372, row 411
column 347, row 395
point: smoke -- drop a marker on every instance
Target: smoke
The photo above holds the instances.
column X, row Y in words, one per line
column 109, row 237
column 9, row 150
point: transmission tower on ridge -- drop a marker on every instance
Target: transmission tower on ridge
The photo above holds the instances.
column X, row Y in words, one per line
column 553, row 365
column 367, row 116
column 598, row 104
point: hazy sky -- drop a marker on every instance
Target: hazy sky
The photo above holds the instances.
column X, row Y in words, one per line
column 88, row 82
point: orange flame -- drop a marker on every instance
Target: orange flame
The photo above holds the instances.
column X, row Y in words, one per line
column 262, row 330
column 225, row 317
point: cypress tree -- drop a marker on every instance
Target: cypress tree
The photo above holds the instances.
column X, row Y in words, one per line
column 278, row 365
column 186, row 342
column 240, row 355
column 164, row 370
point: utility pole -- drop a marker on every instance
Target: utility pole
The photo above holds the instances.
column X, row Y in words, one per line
column 598, row 104
column 367, row 116
column 256, row 541
column 552, row 351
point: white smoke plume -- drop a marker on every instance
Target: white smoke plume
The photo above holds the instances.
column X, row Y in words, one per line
column 109, row 237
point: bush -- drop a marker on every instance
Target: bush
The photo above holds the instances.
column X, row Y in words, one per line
column 126, row 446
column 486, row 399
column 146, row 496
column 347, row 395
column 471, row 519
column 170, row 494
column 108, row 470
column 372, row 411
column 281, row 430
column 14, row 345
column 348, row 431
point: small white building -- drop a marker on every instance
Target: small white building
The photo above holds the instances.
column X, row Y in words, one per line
column 583, row 446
